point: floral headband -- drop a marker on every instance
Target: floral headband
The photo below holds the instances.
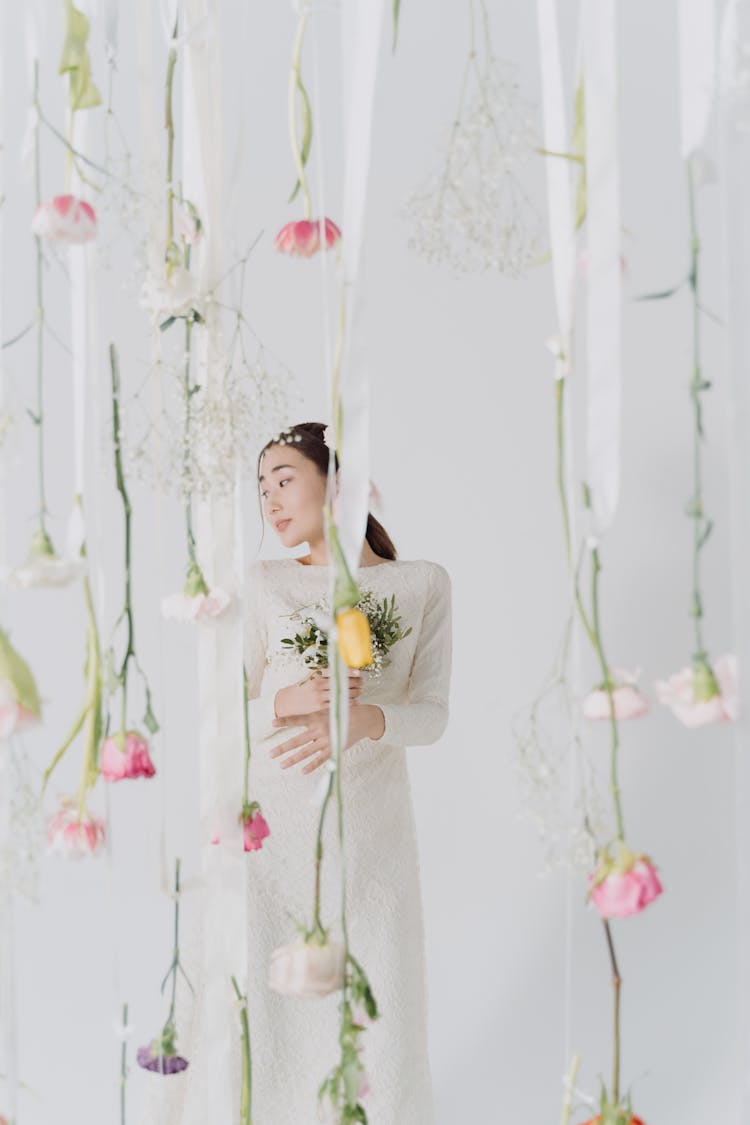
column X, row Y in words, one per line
column 288, row 437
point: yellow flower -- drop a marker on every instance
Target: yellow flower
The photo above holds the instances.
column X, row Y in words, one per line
column 354, row 638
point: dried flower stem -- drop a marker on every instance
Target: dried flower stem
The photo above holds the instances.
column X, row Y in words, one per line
column 295, row 83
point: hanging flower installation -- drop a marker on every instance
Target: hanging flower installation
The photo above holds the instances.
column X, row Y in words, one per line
column 474, row 213
column 161, row 1055
column 65, row 218
column 704, row 692
column 254, row 825
column 306, row 236
column 628, row 701
column 125, row 754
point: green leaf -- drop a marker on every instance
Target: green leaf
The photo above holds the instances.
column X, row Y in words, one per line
column 74, row 61
column 165, row 324
column 149, row 719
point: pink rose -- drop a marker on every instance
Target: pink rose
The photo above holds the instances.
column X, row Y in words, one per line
column 700, row 694
column 628, row 700
column 125, row 756
column 254, row 828
column 74, row 834
column 254, row 831
column 65, row 219
column 623, row 886
column 302, row 238
column 307, row 968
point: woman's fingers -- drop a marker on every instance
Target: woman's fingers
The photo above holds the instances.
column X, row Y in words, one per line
column 291, row 744
column 315, row 765
column 300, row 756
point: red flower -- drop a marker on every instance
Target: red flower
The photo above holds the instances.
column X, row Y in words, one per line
column 302, row 238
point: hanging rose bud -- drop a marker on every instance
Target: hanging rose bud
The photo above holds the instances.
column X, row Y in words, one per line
column 628, row 701
column 73, row 833
column 700, row 695
column 624, row 885
column 309, row 969
column 254, row 828
column 65, row 218
column 302, row 239
column 125, row 755
column 355, row 642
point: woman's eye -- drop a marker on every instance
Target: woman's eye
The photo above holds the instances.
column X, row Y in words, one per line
column 264, row 493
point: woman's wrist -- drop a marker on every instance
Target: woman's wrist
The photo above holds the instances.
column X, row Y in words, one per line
column 375, row 721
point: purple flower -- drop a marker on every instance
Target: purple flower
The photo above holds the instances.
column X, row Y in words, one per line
column 161, row 1063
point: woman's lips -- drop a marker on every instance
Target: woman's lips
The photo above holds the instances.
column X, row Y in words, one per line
column 282, row 525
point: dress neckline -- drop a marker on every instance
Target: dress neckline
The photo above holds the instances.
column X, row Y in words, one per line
column 325, row 566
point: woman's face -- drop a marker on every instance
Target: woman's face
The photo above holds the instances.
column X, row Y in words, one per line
column 292, row 490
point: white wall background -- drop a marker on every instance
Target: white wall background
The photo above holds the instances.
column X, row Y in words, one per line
column 462, row 451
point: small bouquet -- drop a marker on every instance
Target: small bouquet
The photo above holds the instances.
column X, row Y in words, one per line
column 311, row 641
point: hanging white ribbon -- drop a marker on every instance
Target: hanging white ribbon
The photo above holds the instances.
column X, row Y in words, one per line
column 361, row 26
column 558, row 170
column 563, row 248
column 221, row 692
column 697, row 22
column 734, row 157
column 604, row 273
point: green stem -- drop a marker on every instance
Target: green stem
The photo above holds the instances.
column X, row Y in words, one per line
column 69, row 153
column 617, row 984
column 246, row 725
column 93, row 721
column 294, row 81
column 317, row 923
column 39, row 419
column 123, row 1065
column 122, row 489
column 176, row 952
column 696, row 389
column 188, row 393
column 564, row 506
column 596, row 568
column 246, row 1117
column 169, row 124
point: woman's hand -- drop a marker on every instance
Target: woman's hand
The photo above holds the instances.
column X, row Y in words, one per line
column 366, row 720
column 313, row 693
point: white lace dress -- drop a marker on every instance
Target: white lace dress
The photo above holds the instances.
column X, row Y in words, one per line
column 295, row 1040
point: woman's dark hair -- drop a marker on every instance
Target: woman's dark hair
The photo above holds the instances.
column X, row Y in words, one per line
column 307, row 437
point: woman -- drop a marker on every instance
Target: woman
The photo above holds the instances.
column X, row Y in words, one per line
column 295, row 1039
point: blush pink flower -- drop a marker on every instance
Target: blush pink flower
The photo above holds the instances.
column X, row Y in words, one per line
column 629, row 702
column 700, row 694
column 199, row 608
column 307, row 969
column 254, row 828
column 624, row 885
column 74, row 834
column 125, row 756
column 65, row 218
column 302, row 239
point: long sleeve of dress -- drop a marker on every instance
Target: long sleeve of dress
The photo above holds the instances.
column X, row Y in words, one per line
column 423, row 718
column 260, row 708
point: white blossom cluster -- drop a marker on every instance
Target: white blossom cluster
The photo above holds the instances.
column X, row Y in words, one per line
column 474, row 213
column 199, row 448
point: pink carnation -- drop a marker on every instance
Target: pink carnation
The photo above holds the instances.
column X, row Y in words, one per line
column 73, row 834
column 65, row 219
column 628, row 700
column 125, row 757
column 624, row 886
column 302, row 239
column 700, row 695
